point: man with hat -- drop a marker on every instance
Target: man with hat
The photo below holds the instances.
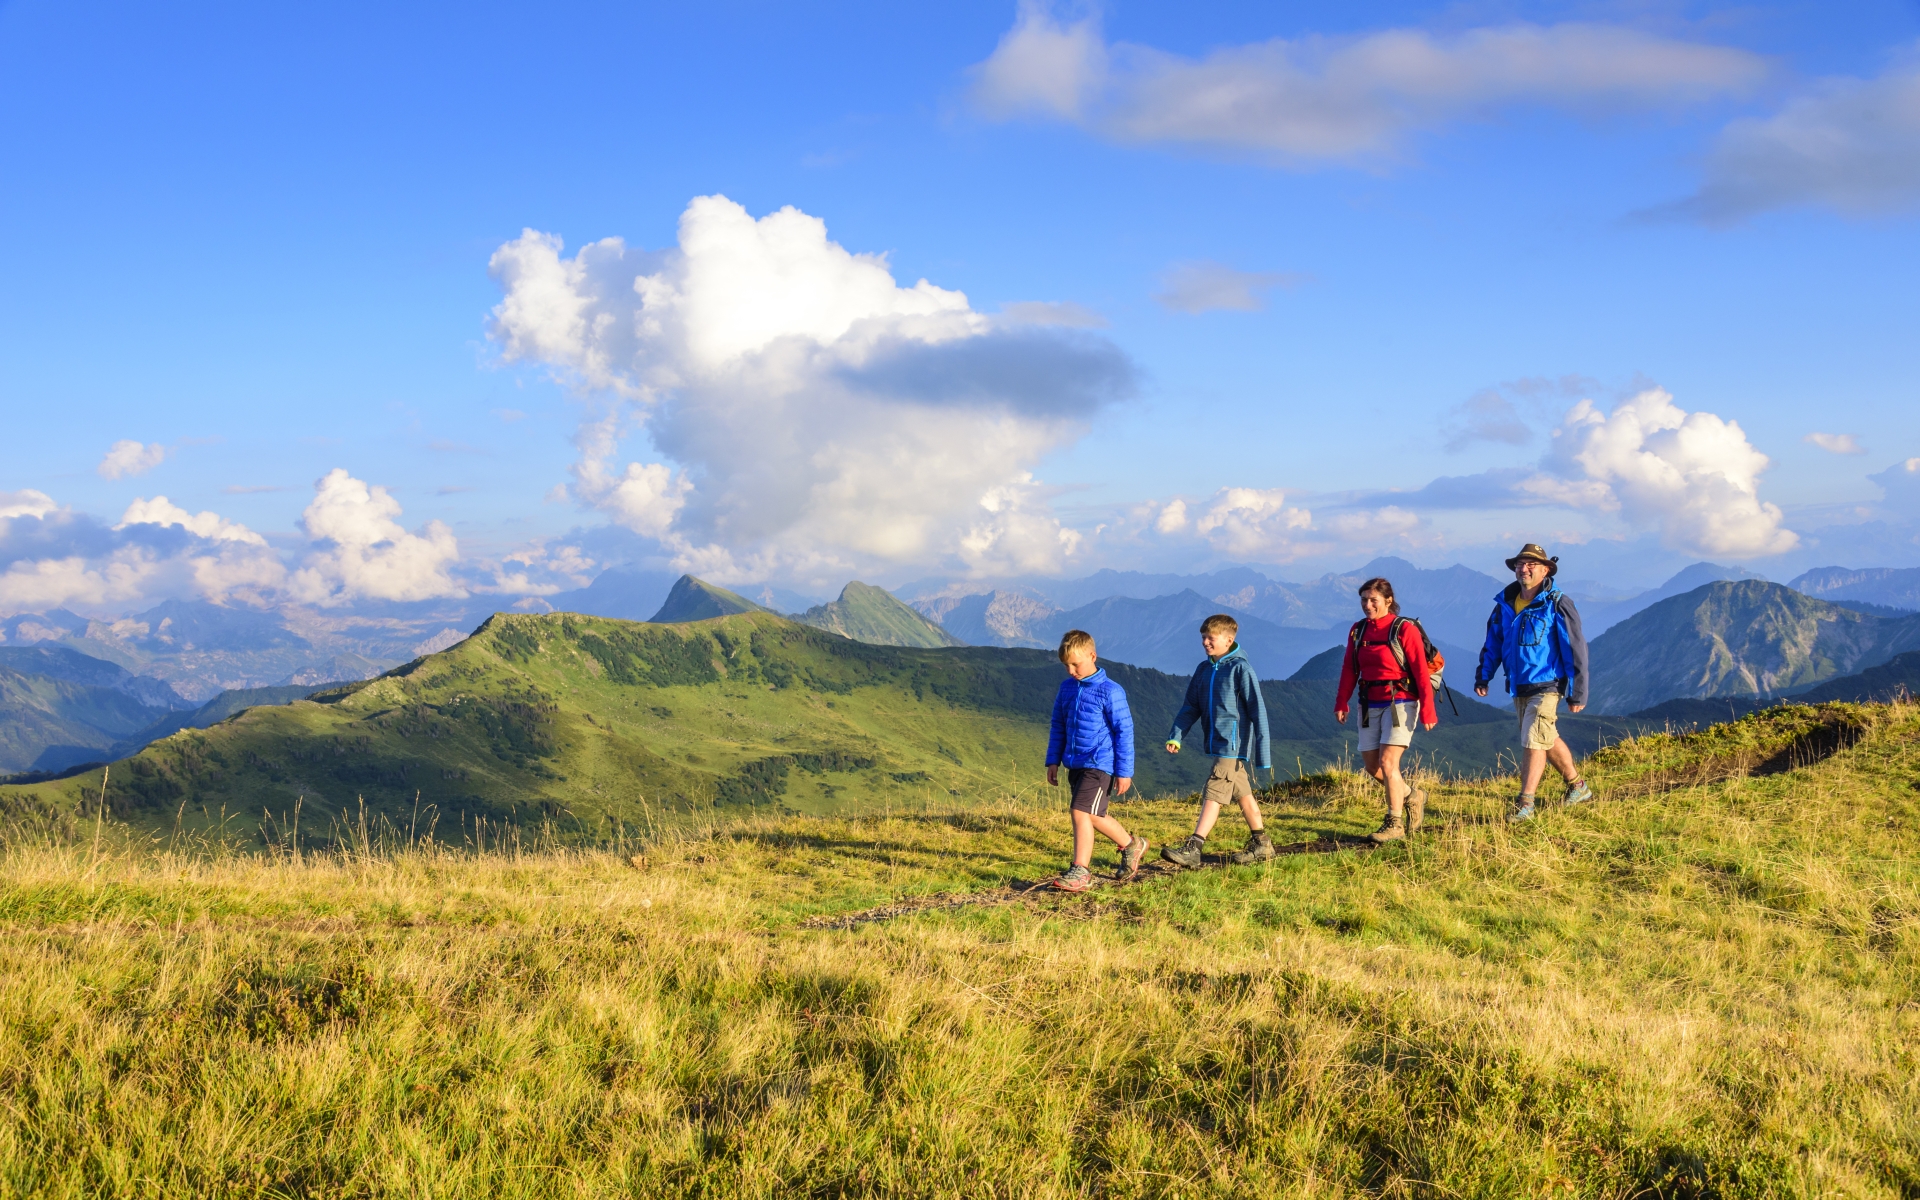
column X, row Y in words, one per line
column 1534, row 635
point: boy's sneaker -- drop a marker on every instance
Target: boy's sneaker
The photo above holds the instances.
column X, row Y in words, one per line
column 1075, row 879
column 1416, row 810
column 1522, row 809
column 1579, row 793
column 1391, row 830
column 1190, row 853
column 1259, row 848
column 1130, row 858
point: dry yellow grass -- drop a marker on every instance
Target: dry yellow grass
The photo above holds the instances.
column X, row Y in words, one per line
column 1705, row 991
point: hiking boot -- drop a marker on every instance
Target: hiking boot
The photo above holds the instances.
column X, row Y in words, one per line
column 1391, row 830
column 1130, row 858
column 1522, row 809
column 1075, row 879
column 1189, row 853
column 1259, row 848
column 1579, row 793
column 1416, row 810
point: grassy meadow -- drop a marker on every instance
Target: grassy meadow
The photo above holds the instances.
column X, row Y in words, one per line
column 1707, row 984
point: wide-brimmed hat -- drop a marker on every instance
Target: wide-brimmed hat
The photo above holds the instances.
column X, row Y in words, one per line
column 1534, row 552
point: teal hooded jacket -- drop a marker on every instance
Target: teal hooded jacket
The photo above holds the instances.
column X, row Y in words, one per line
column 1224, row 696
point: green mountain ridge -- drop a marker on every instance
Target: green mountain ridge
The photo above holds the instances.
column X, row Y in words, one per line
column 869, row 614
column 697, row 600
column 1741, row 638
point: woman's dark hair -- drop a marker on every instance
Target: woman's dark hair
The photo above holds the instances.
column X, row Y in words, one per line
column 1377, row 584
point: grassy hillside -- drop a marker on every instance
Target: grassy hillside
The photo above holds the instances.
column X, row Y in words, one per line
column 697, row 600
column 869, row 614
column 52, row 724
column 1704, row 985
column 591, row 725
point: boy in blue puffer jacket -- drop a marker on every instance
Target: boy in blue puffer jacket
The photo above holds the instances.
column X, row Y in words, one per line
column 1224, row 696
column 1093, row 737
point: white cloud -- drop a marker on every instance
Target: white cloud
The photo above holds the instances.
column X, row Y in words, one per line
column 25, row 503
column 127, row 457
column 814, row 414
column 1197, row 287
column 1692, row 476
column 370, row 556
column 209, row 525
column 1835, row 443
column 37, row 584
column 1320, row 99
column 1849, row 144
column 1255, row 524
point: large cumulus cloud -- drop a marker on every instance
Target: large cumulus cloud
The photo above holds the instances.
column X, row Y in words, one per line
column 811, row 414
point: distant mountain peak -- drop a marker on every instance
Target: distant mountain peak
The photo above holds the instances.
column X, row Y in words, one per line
column 866, row 613
column 694, row 599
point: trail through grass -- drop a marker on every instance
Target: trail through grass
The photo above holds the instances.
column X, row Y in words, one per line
column 1707, row 990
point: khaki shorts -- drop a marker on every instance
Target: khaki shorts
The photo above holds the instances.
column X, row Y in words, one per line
column 1388, row 726
column 1227, row 781
column 1538, row 720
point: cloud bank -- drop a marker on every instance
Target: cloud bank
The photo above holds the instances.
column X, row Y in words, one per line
column 1314, row 100
column 127, row 457
column 812, row 414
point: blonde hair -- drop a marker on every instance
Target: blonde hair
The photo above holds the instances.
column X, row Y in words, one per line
column 1217, row 622
column 1075, row 639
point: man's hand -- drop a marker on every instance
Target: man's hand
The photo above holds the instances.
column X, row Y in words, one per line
column 1340, row 715
column 1121, row 785
column 1053, row 774
column 1479, row 689
column 1173, row 747
column 1575, row 707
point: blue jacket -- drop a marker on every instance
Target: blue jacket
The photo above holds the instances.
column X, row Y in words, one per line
column 1092, row 726
column 1541, row 643
column 1224, row 694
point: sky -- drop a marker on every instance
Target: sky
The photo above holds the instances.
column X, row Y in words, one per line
column 367, row 304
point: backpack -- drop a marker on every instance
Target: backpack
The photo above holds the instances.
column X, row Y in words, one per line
column 1436, row 661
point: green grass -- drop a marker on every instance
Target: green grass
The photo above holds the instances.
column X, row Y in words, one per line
column 1706, row 988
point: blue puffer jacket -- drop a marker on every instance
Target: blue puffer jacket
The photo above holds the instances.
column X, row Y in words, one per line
column 1541, row 643
column 1092, row 727
column 1224, row 694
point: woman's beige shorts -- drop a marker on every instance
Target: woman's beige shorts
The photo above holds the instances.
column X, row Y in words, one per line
column 1389, row 726
column 1539, row 717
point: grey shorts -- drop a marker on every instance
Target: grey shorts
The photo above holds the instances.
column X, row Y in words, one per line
column 1389, row 726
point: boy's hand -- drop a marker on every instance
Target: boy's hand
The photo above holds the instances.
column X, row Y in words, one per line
column 1479, row 689
column 1121, row 785
column 1053, row 774
column 1173, row 747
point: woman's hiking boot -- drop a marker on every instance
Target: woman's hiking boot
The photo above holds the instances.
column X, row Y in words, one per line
column 1394, row 827
column 1259, row 849
column 1074, row 879
column 1190, row 853
column 1579, row 793
column 1416, row 810
column 1130, row 858
column 1522, row 809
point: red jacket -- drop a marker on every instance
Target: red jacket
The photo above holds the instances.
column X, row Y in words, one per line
column 1376, row 662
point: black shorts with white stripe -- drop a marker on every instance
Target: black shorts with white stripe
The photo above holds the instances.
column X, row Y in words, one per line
column 1091, row 788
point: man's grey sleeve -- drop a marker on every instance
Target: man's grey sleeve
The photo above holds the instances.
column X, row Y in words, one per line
column 1576, row 650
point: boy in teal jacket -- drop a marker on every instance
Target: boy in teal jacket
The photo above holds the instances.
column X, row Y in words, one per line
column 1224, row 696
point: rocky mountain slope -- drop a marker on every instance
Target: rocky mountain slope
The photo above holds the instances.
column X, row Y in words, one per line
column 1747, row 638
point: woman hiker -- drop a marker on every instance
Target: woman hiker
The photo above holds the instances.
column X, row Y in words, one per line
column 1387, row 658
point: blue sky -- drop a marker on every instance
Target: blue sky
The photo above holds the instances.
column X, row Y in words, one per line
column 1299, row 263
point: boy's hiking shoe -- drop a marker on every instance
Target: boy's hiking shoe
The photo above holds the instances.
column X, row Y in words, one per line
column 1074, row 879
column 1416, row 810
column 1522, row 809
column 1259, row 848
column 1579, row 793
column 1190, row 853
column 1130, row 858
column 1391, row 830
